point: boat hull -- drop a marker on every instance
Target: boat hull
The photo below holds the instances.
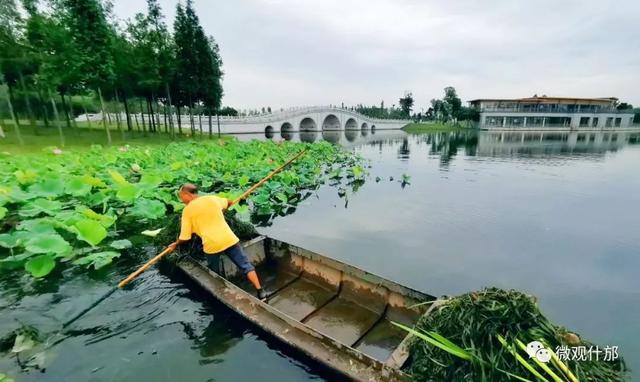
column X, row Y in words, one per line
column 336, row 314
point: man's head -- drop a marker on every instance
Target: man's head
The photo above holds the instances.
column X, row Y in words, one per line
column 188, row 192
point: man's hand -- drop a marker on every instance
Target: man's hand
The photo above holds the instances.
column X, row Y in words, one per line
column 229, row 203
column 173, row 245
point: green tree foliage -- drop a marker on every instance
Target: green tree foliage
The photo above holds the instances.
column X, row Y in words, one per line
column 55, row 57
column 11, row 48
column 452, row 100
column 441, row 109
column 468, row 114
column 56, row 54
column 198, row 64
column 450, row 107
column 406, row 104
column 228, row 111
column 93, row 37
column 381, row 112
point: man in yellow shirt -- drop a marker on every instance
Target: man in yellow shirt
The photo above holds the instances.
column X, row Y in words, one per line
column 203, row 216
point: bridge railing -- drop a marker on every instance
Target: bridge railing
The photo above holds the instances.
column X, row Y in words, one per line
column 296, row 111
column 270, row 117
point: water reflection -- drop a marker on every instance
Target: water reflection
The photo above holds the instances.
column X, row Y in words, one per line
column 287, row 135
column 332, row 136
column 308, row 136
column 447, row 144
column 404, row 151
column 351, row 135
column 521, row 144
column 538, row 144
column 472, row 143
column 218, row 337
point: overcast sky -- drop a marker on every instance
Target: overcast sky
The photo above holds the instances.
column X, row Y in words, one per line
column 283, row 53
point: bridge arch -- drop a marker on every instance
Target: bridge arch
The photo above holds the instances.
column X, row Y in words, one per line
column 268, row 132
column 308, row 124
column 286, row 129
column 331, row 122
column 364, row 126
column 351, row 124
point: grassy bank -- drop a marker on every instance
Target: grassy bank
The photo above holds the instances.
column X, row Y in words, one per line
column 35, row 138
column 432, row 126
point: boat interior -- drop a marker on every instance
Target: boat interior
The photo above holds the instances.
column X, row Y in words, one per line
column 351, row 306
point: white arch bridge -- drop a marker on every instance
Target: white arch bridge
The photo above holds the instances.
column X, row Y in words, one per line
column 312, row 118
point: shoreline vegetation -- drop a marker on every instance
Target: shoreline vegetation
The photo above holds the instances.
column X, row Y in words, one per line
column 420, row 127
column 37, row 138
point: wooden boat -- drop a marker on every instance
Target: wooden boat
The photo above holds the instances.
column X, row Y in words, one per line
column 334, row 313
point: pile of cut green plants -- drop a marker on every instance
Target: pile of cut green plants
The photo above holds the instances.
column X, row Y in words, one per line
column 62, row 208
column 501, row 335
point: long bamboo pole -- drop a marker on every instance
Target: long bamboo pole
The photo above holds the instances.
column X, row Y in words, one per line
column 266, row 179
column 143, row 268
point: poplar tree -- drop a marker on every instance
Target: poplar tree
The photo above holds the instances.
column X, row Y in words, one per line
column 87, row 22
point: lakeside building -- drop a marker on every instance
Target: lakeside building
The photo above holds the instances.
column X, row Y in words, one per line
column 553, row 113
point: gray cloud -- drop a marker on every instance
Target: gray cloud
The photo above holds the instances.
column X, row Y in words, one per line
column 283, row 53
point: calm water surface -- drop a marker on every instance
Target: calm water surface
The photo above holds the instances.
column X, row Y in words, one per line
column 554, row 215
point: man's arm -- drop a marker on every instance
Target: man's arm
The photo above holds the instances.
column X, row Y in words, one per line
column 185, row 232
column 176, row 243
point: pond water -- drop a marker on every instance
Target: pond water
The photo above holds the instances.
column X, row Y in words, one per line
column 554, row 215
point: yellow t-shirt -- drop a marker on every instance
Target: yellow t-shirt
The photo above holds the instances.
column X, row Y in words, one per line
column 203, row 216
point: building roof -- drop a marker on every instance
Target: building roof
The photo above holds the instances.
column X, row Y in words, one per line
column 545, row 99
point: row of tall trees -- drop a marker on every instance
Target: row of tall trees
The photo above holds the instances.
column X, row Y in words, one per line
column 403, row 112
column 55, row 51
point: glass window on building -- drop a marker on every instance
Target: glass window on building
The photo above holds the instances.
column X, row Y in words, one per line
column 618, row 122
column 592, row 138
column 534, row 121
column 584, row 121
column 609, row 122
column 493, row 121
column 594, row 122
column 515, row 121
column 558, row 121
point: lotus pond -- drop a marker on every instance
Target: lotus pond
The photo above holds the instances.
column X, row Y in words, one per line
column 83, row 208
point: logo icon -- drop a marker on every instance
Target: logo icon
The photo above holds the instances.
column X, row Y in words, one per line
column 537, row 350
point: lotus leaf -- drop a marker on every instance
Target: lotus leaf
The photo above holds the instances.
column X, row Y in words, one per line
column 40, row 266
column 90, row 231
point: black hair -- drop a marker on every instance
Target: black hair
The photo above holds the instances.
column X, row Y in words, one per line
column 189, row 188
